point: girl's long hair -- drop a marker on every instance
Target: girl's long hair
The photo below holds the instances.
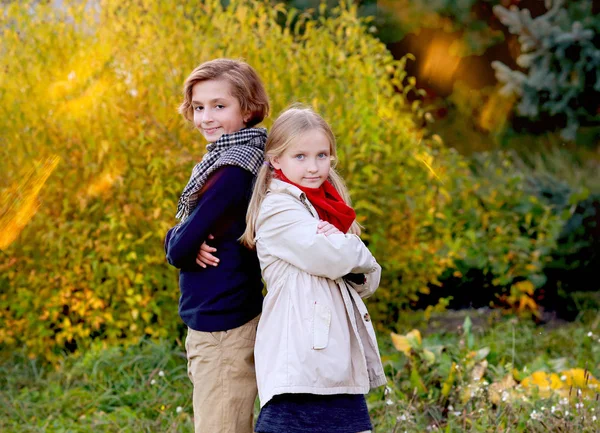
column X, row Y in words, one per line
column 290, row 124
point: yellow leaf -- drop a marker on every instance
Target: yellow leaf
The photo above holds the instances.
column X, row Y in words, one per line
column 404, row 343
column 401, row 344
column 576, row 377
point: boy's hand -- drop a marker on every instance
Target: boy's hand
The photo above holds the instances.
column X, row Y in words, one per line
column 327, row 229
column 205, row 257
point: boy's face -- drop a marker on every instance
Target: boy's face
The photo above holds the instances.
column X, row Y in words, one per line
column 216, row 112
column 307, row 160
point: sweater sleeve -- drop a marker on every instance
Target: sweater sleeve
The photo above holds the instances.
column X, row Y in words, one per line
column 287, row 231
column 228, row 187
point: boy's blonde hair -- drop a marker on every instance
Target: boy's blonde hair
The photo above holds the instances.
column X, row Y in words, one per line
column 289, row 126
column 246, row 87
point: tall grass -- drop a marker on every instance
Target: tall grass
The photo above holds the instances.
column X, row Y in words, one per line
column 145, row 388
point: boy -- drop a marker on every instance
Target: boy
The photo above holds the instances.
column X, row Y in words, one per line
column 221, row 304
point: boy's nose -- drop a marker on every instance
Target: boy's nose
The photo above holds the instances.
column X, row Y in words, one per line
column 206, row 116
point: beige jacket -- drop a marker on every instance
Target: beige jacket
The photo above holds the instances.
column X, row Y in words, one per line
column 315, row 334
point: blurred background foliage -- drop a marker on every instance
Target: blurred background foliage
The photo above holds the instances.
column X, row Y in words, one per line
column 462, row 204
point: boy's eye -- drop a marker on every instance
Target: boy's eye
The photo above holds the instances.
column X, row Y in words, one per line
column 220, row 106
column 198, row 108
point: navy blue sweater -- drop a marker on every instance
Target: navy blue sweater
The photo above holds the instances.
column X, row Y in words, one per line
column 230, row 294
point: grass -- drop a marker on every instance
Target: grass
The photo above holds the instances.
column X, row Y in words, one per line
column 144, row 388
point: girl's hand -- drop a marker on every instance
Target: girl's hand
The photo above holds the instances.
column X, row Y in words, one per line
column 327, row 229
column 205, row 257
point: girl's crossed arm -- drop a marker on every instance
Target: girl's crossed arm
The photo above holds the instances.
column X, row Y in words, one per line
column 288, row 232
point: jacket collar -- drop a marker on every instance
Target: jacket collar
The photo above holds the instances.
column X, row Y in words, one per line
column 281, row 186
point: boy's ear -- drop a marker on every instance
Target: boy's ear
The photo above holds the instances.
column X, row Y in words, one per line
column 247, row 117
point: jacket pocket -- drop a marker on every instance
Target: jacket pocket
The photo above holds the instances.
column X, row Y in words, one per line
column 321, row 324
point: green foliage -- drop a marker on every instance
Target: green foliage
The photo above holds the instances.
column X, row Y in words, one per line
column 89, row 265
column 112, row 389
column 397, row 18
column 562, row 60
column 490, row 377
column 507, row 235
column 109, row 389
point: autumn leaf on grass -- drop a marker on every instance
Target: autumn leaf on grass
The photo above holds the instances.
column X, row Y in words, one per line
column 404, row 343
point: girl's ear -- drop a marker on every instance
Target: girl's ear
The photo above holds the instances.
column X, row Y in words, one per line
column 275, row 162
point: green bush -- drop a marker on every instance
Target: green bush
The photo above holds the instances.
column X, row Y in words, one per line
column 98, row 88
column 90, row 263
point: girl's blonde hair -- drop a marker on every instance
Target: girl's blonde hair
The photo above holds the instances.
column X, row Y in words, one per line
column 289, row 126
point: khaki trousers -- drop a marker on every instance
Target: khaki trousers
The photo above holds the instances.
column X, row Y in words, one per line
column 221, row 368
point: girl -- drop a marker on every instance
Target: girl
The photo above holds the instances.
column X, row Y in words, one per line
column 316, row 352
column 224, row 99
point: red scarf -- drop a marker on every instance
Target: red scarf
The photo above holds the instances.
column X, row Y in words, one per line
column 327, row 201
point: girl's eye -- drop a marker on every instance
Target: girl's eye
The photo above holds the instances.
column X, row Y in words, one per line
column 299, row 157
column 323, row 155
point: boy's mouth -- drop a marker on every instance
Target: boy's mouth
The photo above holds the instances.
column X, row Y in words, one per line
column 211, row 130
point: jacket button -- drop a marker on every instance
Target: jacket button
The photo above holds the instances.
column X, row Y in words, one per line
column 367, row 317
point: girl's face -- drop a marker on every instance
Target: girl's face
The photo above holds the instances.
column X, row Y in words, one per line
column 216, row 112
column 307, row 160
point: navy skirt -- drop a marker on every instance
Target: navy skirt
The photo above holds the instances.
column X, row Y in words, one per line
column 301, row 413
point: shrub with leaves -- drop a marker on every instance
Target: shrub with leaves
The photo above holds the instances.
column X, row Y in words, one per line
column 90, row 263
column 476, row 382
column 397, row 18
column 85, row 260
column 561, row 58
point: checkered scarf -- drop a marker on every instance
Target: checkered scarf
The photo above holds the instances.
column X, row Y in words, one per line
column 244, row 148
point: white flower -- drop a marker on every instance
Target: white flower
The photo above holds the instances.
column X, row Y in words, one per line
column 535, row 415
column 553, row 409
column 71, row 76
column 389, row 402
column 590, row 334
column 179, row 409
column 564, row 401
column 578, row 405
column 566, row 413
column 387, row 390
column 152, row 382
column 133, row 92
column 543, row 408
column 161, row 373
column 450, row 407
column 563, row 378
column 594, row 418
column 504, row 396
